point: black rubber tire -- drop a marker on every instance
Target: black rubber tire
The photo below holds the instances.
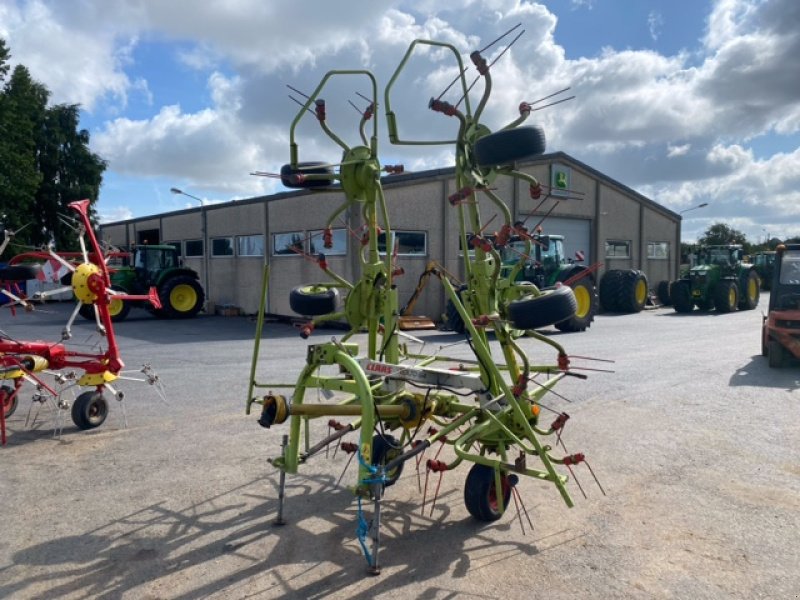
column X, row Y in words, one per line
column 509, row 145
column 662, row 292
column 625, row 291
column 384, row 449
column 124, row 309
column 608, row 290
column 169, row 308
column 777, row 355
column 750, row 292
column 681, row 293
column 9, row 404
column 18, row 273
column 313, row 301
column 533, row 312
column 764, row 347
column 586, row 307
column 480, row 493
column 289, row 175
column 86, row 311
column 726, row 296
column 90, row 410
column 451, row 315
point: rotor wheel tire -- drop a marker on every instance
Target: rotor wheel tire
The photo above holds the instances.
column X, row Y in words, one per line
column 551, row 307
column 777, row 355
column 89, row 410
column 662, row 292
column 681, row 294
column 509, row 146
column 118, row 309
column 452, row 316
column 626, row 291
column 726, row 296
column 8, row 400
column 385, row 448
column 181, row 297
column 295, row 178
column 480, row 493
column 751, row 292
column 313, row 300
column 86, row 311
column 586, row 307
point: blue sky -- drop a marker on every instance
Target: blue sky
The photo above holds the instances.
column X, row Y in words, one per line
column 686, row 101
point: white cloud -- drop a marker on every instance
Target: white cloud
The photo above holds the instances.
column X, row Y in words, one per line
column 673, row 151
column 654, row 23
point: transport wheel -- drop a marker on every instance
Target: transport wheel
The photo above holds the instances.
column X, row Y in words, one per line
column 480, row 493
column 90, row 410
column 533, row 312
column 751, row 292
column 8, row 400
column 384, row 449
column 662, row 291
column 296, row 177
column 777, row 355
column 726, row 296
column 181, row 297
column 508, row 146
column 313, row 300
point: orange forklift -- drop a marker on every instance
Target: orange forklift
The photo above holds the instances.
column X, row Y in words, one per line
column 780, row 332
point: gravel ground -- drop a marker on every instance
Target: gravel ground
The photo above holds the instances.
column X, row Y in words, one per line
column 693, row 437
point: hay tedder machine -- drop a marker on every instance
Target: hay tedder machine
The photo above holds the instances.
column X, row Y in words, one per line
column 72, row 366
column 487, row 409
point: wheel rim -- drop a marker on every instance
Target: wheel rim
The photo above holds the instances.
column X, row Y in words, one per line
column 115, row 307
column 752, row 289
column 731, row 297
column 641, row 291
column 584, row 301
column 96, row 411
column 183, row 297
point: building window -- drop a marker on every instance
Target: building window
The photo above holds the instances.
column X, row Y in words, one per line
column 176, row 245
column 618, row 249
column 405, row 243
column 222, row 246
column 316, row 242
column 250, row 245
column 658, row 250
column 287, row 244
column 194, row 247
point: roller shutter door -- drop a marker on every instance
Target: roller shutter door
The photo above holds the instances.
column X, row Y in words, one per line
column 576, row 232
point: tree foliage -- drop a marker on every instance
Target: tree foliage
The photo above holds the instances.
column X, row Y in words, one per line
column 45, row 161
column 720, row 233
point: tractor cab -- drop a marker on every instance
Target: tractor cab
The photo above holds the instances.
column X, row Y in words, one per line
column 151, row 261
column 786, row 280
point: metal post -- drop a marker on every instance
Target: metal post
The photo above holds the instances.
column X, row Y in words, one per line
column 375, row 567
column 281, row 486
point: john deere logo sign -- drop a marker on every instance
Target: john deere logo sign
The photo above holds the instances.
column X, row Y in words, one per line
column 559, row 182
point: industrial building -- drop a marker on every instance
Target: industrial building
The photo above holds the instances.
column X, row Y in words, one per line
column 228, row 244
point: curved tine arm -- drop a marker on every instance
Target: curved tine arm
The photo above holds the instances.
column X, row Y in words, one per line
column 391, row 118
column 306, row 107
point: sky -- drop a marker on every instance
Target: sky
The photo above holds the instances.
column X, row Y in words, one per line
column 688, row 102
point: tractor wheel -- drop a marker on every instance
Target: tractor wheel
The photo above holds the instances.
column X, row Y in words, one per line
column 662, row 291
column 608, row 287
column 86, row 311
column 8, row 400
column 777, row 355
column 313, row 300
column 726, row 296
column 118, row 309
column 90, row 410
column 586, row 299
column 533, row 312
column 480, row 493
column 751, row 292
column 452, row 316
column 626, row 291
column 384, row 449
column 508, row 146
column 294, row 178
column 181, row 297
column 681, row 293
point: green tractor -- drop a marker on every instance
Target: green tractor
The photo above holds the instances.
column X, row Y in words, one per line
column 547, row 268
column 720, row 279
column 154, row 266
column 765, row 267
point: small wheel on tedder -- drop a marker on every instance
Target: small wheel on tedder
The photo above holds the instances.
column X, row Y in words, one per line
column 89, row 410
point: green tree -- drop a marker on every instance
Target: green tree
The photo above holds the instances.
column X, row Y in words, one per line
column 45, row 161
column 720, row 233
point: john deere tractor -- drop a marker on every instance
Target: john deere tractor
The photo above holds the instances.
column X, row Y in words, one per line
column 157, row 266
column 547, row 268
column 720, row 279
column 765, row 267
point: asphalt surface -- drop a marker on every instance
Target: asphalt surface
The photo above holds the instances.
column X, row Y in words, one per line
column 693, row 437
